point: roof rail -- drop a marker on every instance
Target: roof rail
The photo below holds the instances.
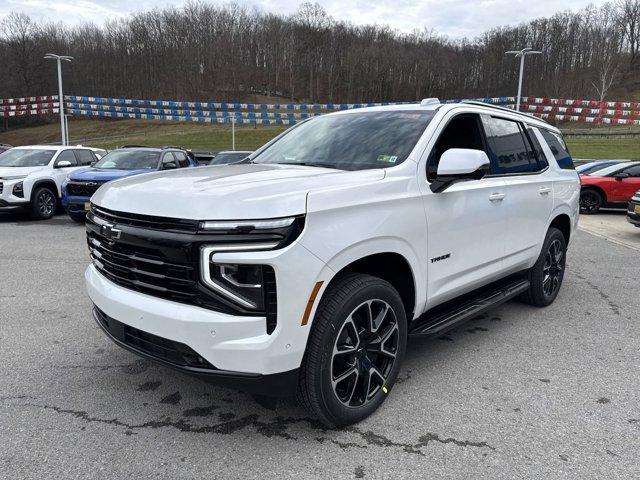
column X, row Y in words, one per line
column 498, row 107
column 174, row 146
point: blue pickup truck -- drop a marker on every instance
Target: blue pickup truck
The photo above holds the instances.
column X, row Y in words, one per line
column 123, row 162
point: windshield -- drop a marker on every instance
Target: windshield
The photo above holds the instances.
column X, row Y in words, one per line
column 129, row 160
column 352, row 141
column 25, row 157
column 228, row 157
column 593, row 166
column 611, row 169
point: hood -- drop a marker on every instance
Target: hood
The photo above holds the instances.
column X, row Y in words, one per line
column 103, row 174
column 18, row 171
column 225, row 192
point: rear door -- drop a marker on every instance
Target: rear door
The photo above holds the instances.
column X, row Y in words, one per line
column 517, row 158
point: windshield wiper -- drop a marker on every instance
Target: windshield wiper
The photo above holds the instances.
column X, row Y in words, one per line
column 312, row 164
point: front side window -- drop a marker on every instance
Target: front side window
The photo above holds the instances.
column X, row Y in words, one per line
column 182, row 159
column 67, row 156
column 559, row 149
column 463, row 131
column 633, row 171
column 350, row 141
column 510, row 151
column 25, row 157
column 129, row 160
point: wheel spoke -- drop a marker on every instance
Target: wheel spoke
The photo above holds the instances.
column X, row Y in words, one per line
column 343, row 376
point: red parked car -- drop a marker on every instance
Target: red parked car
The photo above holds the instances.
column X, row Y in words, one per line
column 610, row 187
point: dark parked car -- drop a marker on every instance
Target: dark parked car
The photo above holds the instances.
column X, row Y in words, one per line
column 633, row 214
column 4, row 147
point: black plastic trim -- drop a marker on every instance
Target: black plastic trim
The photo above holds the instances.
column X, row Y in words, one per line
column 282, row 384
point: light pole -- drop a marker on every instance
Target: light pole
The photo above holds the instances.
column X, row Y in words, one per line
column 59, row 59
column 522, row 53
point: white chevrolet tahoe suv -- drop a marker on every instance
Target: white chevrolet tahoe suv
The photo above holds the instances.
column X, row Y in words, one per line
column 303, row 270
column 31, row 177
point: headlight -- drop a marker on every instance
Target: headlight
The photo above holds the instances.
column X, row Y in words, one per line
column 243, row 284
column 18, row 190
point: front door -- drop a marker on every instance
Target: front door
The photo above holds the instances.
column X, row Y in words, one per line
column 624, row 188
column 465, row 222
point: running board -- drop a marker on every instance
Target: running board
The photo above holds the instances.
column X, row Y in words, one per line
column 445, row 317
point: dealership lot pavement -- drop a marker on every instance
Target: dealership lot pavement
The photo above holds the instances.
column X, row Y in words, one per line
column 518, row 393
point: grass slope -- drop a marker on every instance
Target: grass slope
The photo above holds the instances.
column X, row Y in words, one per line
column 111, row 134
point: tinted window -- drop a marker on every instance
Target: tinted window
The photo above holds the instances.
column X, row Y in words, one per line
column 461, row 132
column 350, row 141
column 181, row 158
column 559, row 149
column 633, row 171
column 23, row 157
column 510, row 150
column 68, row 156
column 538, row 153
column 169, row 158
column 85, row 157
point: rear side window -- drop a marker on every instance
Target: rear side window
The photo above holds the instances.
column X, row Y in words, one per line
column 85, row 157
column 559, row 149
column 511, row 151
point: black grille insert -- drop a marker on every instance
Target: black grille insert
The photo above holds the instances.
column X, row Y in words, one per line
column 83, row 189
column 146, row 221
column 160, row 348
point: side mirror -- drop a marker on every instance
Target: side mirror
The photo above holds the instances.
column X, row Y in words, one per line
column 621, row 175
column 63, row 164
column 459, row 164
column 169, row 166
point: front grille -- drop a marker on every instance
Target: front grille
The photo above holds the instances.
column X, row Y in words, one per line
column 146, row 221
column 83, row 189
column 161, row 348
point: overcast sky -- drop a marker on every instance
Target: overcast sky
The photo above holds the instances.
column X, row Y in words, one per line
column 454, row 18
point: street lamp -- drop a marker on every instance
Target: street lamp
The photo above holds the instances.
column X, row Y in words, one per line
column 522, row 53
column 59, row 59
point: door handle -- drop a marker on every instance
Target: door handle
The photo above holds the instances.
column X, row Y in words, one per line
column 496, row 197
column 544, row 190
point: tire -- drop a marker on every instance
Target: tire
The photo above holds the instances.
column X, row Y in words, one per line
column 79, row 218
column 548, row 272
column 590, row 201
column 343, row 356
column 44, row 204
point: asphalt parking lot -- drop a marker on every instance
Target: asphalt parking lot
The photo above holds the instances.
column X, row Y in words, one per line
column 518, row 393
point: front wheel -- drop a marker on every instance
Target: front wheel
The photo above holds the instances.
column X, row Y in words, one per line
column 548, row 272
column 43, row 204
column 354, row 351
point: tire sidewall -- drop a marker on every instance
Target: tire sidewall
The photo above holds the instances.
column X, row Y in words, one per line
column 536, row 277
column 339, row 413
column 35, row 211
column 597, row 195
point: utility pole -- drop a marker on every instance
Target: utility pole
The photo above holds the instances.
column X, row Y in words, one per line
column 521, row 54
column 59, row 58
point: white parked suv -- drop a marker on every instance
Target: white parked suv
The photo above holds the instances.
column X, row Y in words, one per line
column 303, row 270
column 31, row 177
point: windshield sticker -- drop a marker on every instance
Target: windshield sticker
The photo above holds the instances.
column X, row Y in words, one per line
column 388, row 158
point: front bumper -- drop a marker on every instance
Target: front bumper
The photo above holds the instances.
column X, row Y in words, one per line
column 11, row 206
column 632, row 216
column 230, row 342
column 74, row 203
column 154, row 348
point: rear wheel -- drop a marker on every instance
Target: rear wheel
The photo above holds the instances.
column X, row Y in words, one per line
column 354, row 351
column 43, row 204
column 548, row 272
column 590, row 201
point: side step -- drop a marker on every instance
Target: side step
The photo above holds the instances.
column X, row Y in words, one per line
column 446, row 316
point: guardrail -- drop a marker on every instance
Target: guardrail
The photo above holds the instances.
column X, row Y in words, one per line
column 552, row 109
